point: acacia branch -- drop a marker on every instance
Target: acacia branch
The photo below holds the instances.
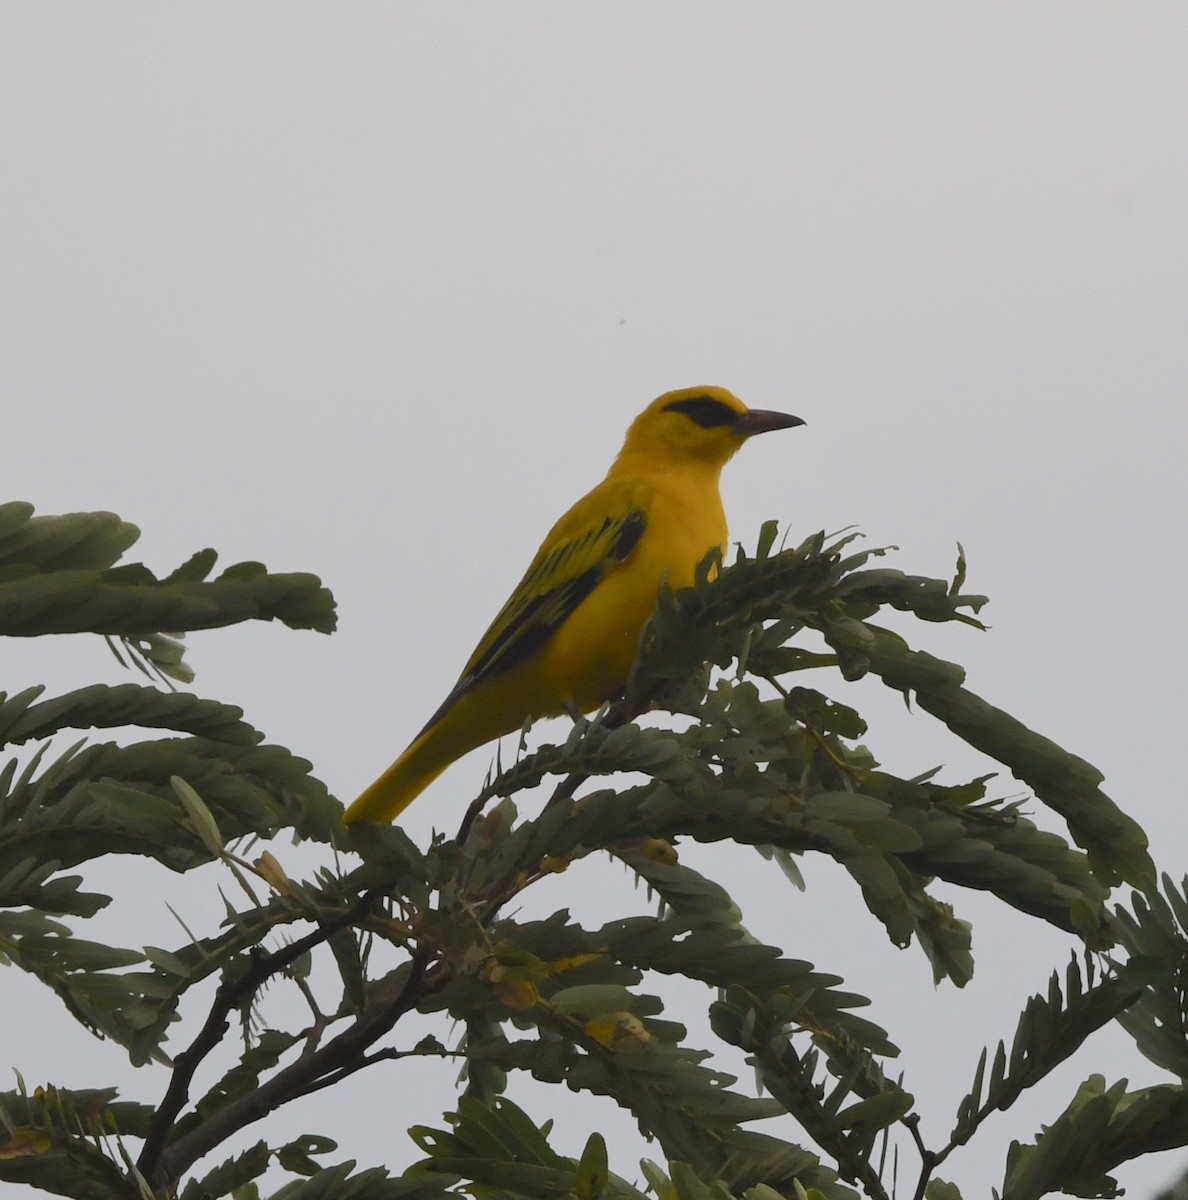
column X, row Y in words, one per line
column 229, row 996
column 624, row 708
column 300, row 1077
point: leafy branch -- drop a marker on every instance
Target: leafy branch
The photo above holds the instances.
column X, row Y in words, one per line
column 762, row 760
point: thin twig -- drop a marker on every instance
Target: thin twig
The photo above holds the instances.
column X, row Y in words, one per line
column 618, row 713
column 229, row 995
column 300, row 1077
column 368, row 1060
column 929, row 1159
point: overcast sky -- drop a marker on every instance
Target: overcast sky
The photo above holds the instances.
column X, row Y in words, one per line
column 374, row 290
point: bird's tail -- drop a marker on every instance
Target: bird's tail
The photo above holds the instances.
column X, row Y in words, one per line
column 401, row 783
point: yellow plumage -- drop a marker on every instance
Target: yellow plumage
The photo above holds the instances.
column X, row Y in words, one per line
column 567, row 636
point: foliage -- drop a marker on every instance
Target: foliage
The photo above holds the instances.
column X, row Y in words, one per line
column 754, row 758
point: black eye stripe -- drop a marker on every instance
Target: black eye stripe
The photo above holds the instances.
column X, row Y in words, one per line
column 704, row 411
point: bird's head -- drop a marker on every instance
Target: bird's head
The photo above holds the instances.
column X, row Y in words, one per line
column 705, row 424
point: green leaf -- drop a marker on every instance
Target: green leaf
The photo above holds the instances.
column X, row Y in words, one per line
column 1050, row 1029
column 593, row 1172
column 298, row 1155
column 230, row 1176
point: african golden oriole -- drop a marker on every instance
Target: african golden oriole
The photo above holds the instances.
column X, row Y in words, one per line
column 566, row 638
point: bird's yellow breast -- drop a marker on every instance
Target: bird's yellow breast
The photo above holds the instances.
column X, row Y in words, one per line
column 588, row 658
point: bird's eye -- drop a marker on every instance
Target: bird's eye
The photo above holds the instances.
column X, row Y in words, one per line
column 704, row 411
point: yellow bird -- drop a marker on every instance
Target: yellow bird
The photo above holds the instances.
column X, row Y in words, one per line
column 566, row 638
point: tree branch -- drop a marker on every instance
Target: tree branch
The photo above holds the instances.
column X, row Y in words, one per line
column 299, row 1077
column 229, row 995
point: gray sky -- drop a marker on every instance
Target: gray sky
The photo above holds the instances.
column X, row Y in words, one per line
column 373, row 291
